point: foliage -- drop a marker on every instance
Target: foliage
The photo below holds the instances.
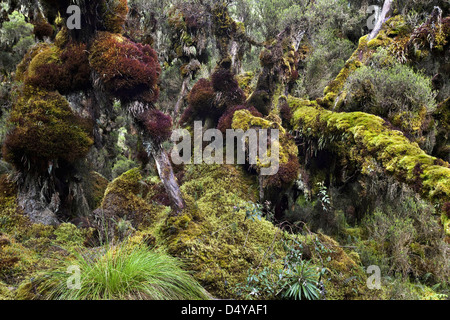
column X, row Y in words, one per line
column 297, row 279
column 122, row 165
column 409, row 239
column 392, row 91
column 16, row 36
column 323, row 64
column 124, row 273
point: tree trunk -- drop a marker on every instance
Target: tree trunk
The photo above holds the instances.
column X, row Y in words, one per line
column 166, row 175
column 182, row 96
column 386, row 9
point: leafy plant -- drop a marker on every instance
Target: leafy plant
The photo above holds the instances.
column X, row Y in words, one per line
column 298, row 279
column 302, row 282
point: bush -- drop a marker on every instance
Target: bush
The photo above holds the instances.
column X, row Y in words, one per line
column 391, row 90
column 124, row 273
column 407, row 240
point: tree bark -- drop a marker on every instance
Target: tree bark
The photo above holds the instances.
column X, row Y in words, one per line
column 166, row 175
column 386, row 9
column 182, row 96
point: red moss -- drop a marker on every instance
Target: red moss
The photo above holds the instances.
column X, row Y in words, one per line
column 187, row 116
column 287, row 174
column 286, row 113
column 70, row 73
column 446, row 209
column 49, row 77
column 76, row 66
column 43, row 29
column 128, row 70
column 294, row 75
column 157, row 124
column 201, row 96
column 223, row 80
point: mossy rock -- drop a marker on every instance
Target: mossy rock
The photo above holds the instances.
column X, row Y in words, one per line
column 125, row 200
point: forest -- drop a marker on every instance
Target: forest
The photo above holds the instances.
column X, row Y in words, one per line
column 338, row 187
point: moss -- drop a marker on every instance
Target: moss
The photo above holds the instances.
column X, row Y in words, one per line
column 114, row 13
column 217, row 241
column 127, row 70
column 45, row 130
column 244, row 120
column 16, row 261
column 5, row 292
column 69, row 236
column 125, row 199
column 62, row 38
column 245, row 82
column 366, row 137
column 96, row 189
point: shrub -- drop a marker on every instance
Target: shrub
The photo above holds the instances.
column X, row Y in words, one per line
column 128, row 70
column 392, row 91
column 325, row 62
column 408, row 240
column 125, row 273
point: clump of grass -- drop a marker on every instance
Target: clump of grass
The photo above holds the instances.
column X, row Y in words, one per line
column 124, row 273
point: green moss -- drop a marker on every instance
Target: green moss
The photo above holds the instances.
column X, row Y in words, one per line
column 217, row 241
column 125, row 200
column 244, row 120
column 45, row 130
column 68, row 235
column 5, row 292
column 365, row 137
